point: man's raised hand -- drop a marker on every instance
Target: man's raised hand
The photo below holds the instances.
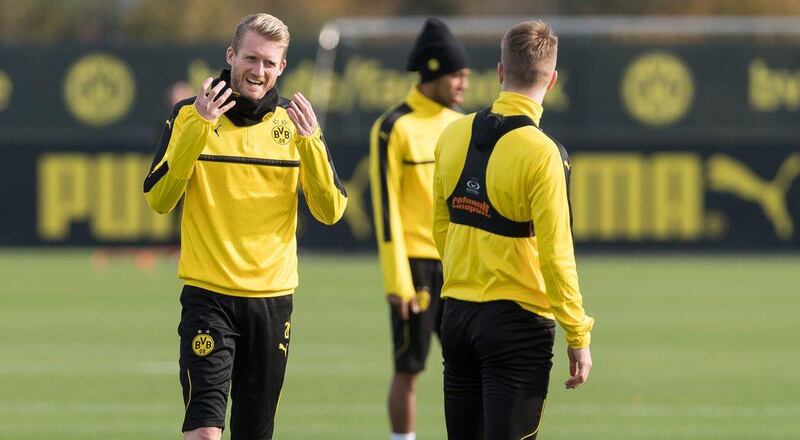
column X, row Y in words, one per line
column 302, row 115
column 208, row 104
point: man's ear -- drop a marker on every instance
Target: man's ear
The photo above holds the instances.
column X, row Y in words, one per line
column 281, row 66
column 229, row 54
column 500, row 72
column 553, row 80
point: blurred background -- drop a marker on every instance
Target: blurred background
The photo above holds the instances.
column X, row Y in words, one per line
column 682, row 120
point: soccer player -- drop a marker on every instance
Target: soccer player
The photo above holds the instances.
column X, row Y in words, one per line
column 502, row 225
column 236, row 153
column 401, row 173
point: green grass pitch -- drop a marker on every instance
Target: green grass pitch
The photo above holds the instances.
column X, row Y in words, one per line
column 685, row 347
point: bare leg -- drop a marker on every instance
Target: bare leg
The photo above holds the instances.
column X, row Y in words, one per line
column 203, row 434
column 402, row 399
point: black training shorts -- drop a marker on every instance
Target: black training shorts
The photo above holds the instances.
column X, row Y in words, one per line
column 234, row 344
column 497, row 361
column 412, row 338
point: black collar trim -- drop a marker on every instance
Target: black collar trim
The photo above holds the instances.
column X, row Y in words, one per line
column 247, row 112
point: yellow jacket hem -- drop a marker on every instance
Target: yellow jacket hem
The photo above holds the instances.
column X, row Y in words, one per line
column 239, row 293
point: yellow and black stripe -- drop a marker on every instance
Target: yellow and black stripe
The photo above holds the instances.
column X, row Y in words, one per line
column 402, row 142
column 383, row 158
column 154, row 175
column 240, row 187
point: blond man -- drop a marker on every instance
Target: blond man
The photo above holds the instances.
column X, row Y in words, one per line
column 502, row 226
column 237, row 153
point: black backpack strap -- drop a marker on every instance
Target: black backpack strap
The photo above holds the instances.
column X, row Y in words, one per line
column 469, row 203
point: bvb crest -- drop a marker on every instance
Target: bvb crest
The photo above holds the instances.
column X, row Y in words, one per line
column 203, row 343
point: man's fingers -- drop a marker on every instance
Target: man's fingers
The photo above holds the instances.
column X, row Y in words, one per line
column 297, row 117
column 580, row 362
column 414, row 305
column 204, row 87
column 296, row 107
column 579, row 372
column 403, row 304
column 212, row 95
column 573, row 382
column 292, row 113
column 404, row 309
column 399, row 305
column 223, row 97
column 305, row 111
column 305, row 105
column 573, row 375
column 227, row 107
column 303, row 102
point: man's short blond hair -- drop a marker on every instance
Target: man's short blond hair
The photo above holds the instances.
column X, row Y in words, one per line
column 268, row 26
column 529, row 54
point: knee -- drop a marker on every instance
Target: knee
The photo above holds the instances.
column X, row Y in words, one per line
column 203, row 434
column 405, row 379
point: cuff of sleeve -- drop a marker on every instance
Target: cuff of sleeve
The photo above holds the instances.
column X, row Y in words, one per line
column 404, row 296
column 315, row 135
column 582, row 338
column 581, row 341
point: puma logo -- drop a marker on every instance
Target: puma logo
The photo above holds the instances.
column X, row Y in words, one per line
column 285, row 349
column 730, row 175
column 169, row 124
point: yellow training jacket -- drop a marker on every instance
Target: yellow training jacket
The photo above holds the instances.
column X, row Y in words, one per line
column 402, row 141
column 526, row 181
column 240, row 205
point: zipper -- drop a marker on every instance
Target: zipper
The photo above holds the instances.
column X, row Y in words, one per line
column 248, row 138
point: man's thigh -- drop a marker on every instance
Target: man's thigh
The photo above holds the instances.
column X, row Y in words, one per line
column 515, row 347
column 260, row 366
column 463, row 402
column 412, row 337
column 207, row 347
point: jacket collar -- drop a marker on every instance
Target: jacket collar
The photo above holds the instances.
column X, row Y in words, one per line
column 421, row 103
column 510, row 103
column 247, row 112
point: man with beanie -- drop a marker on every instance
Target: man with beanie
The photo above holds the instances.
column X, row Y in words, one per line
column 402, row 141
column 502, row 224
column 237, row 154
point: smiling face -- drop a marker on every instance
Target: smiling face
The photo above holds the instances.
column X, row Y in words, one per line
column 449, row 89
column 255, row 65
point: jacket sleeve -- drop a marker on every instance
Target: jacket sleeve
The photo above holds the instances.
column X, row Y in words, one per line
column 441, row 214
column 325, row 195
column 548, row 193
column 385, row 162
column 182, row 141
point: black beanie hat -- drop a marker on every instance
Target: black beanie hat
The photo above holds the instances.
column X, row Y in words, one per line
column 436, row 52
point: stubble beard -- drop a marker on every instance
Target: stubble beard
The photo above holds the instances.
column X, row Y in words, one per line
column 239, row 85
